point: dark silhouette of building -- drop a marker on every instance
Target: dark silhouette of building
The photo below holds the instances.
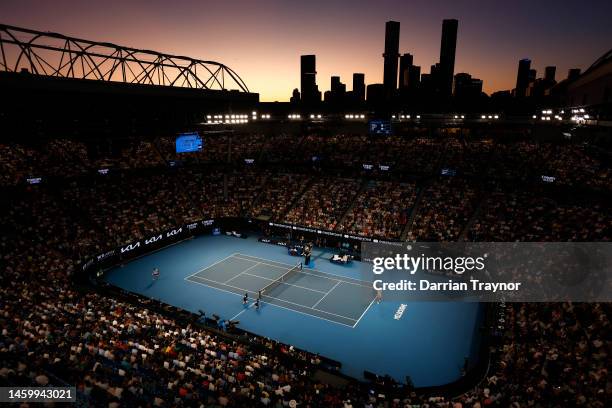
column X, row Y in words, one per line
column 467, row 88
column 335, row 97
column 375, row 95
column 308, row 84
column 549, row 74
column 448, row 47
column 359, row 90
column 573, row 73
column 522, row 78
column 404, row 70
column 295, row 97
column 533, row 74
column 427, row 84
column 414, row 77
column 391, row 54
column 337, row 87
column 430, row 83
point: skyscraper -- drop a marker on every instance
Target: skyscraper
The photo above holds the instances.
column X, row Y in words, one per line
column 448, row 46
column 404, row 70
column 359, row 89
column 522, row 77
column 391, row 54
column 308, row 84
column 337, row 92
column 533, row 74
column 466, row 87
column 414, row 76
column 549, row 73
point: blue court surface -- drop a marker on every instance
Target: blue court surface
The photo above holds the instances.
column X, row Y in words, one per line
column 323, row 308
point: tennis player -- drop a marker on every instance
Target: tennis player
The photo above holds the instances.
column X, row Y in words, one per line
column 257, row 304
column 155, row 273
column 245, row 298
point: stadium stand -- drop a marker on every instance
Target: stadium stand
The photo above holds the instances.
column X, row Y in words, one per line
column 123, row 351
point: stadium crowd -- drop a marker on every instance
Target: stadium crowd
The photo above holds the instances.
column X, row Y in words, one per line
column 123, row 352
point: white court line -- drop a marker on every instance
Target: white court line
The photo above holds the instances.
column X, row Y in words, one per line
column 250, row 267
column 285, row 283
column 242, row 311
column 210, row 266
column 328, row 292
column 279, row 299
column 302, row 271
column 369, row 284
column 272, row 304
column 364, row 312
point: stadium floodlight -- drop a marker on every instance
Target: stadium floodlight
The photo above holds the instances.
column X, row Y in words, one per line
column 318, row 116
column 581, row 110
column 408, row 117
column 483, row 117
column 462, row 116
column 496, row 116
column 312, row 116
column 534, row 117
column 456, row 117
column 362, row 116
column 392, row 116
column 586, row 116
column 418, row 117
column 207, row 116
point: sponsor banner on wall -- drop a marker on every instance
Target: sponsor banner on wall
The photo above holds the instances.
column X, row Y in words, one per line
column 162, row 238
column 328, row 233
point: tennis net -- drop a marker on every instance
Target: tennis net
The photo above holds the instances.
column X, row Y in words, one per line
column 283, row 278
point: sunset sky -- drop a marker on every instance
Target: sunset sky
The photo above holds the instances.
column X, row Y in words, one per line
column 263, row 40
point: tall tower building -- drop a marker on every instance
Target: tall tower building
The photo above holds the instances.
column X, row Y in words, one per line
column 404, row 70
column 359, row 89
column 392, row 30
column 414, row 76
column 308, row 83
column 448, row 46
column 549, row 73
column 522, row 77
column 533, row 74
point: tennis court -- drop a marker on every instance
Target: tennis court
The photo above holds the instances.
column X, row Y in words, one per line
column 326, row 308
column 322, row 295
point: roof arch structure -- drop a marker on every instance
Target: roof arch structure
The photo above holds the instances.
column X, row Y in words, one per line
column 57, row 55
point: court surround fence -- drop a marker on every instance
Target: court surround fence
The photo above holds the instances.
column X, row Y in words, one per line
column 156, row 241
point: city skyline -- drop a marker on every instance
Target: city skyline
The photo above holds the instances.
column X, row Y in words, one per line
column 263, row 42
